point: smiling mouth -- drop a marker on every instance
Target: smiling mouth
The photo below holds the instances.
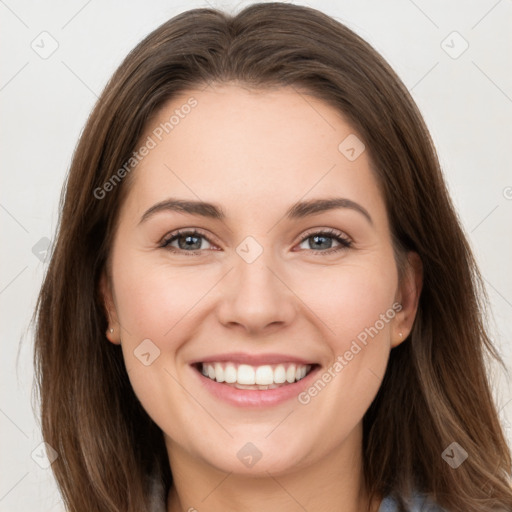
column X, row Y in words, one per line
column 244, row 376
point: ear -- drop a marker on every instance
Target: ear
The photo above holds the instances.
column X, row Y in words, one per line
column 113, row 333
column 408, row 295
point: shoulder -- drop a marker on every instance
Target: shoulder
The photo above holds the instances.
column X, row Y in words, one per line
column 420, row 503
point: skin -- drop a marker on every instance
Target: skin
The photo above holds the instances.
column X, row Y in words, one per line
column 255, row 153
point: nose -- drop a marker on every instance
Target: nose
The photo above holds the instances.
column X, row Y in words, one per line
column 255, row 296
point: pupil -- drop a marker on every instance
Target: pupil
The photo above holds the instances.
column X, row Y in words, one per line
column 188, row 244
column 317, row 237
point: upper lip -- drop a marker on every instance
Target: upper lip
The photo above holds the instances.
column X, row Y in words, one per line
column 252, row 359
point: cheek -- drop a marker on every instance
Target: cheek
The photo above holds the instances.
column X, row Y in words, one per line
column 354, row 305
column 156, row 304
column 350, row 297
column 159, row 308
column 152, row 299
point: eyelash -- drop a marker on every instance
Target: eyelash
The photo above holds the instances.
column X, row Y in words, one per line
column 344, row 242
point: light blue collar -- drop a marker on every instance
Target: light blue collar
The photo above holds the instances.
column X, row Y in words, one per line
column 420, row 503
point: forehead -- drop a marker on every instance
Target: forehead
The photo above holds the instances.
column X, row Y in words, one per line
column 244, row 147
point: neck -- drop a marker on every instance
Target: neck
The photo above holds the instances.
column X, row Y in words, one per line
column 333, row 482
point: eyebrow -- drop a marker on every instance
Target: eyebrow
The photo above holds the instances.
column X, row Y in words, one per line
column 297, row 211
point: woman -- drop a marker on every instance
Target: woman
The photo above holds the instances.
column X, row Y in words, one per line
column 260, row 297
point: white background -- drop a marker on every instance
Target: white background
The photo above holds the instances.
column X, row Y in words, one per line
column 466, row 102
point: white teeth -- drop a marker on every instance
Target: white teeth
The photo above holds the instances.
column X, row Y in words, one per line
column 219, row 373
column 245, row 376
column 230, row 374
column 264, row 375
column 300, row 372
column 280, row 375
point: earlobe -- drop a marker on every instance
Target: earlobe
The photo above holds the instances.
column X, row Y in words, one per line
column 397, row 337
column 408, row 295
column 112, row 336
column 113, row 330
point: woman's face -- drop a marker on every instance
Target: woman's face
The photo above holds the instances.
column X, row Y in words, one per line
column 269, row 286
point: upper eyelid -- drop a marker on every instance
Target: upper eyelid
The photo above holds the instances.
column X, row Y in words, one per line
column 185, row 231
column 327, row 231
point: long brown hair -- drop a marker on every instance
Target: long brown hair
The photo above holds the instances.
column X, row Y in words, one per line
column 435, row 390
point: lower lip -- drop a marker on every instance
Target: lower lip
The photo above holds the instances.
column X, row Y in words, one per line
column 256, row 397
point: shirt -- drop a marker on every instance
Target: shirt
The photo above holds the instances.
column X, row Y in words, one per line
column 421, row 503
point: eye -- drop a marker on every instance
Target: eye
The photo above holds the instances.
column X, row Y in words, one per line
column 323, row 240
column 188, row 241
